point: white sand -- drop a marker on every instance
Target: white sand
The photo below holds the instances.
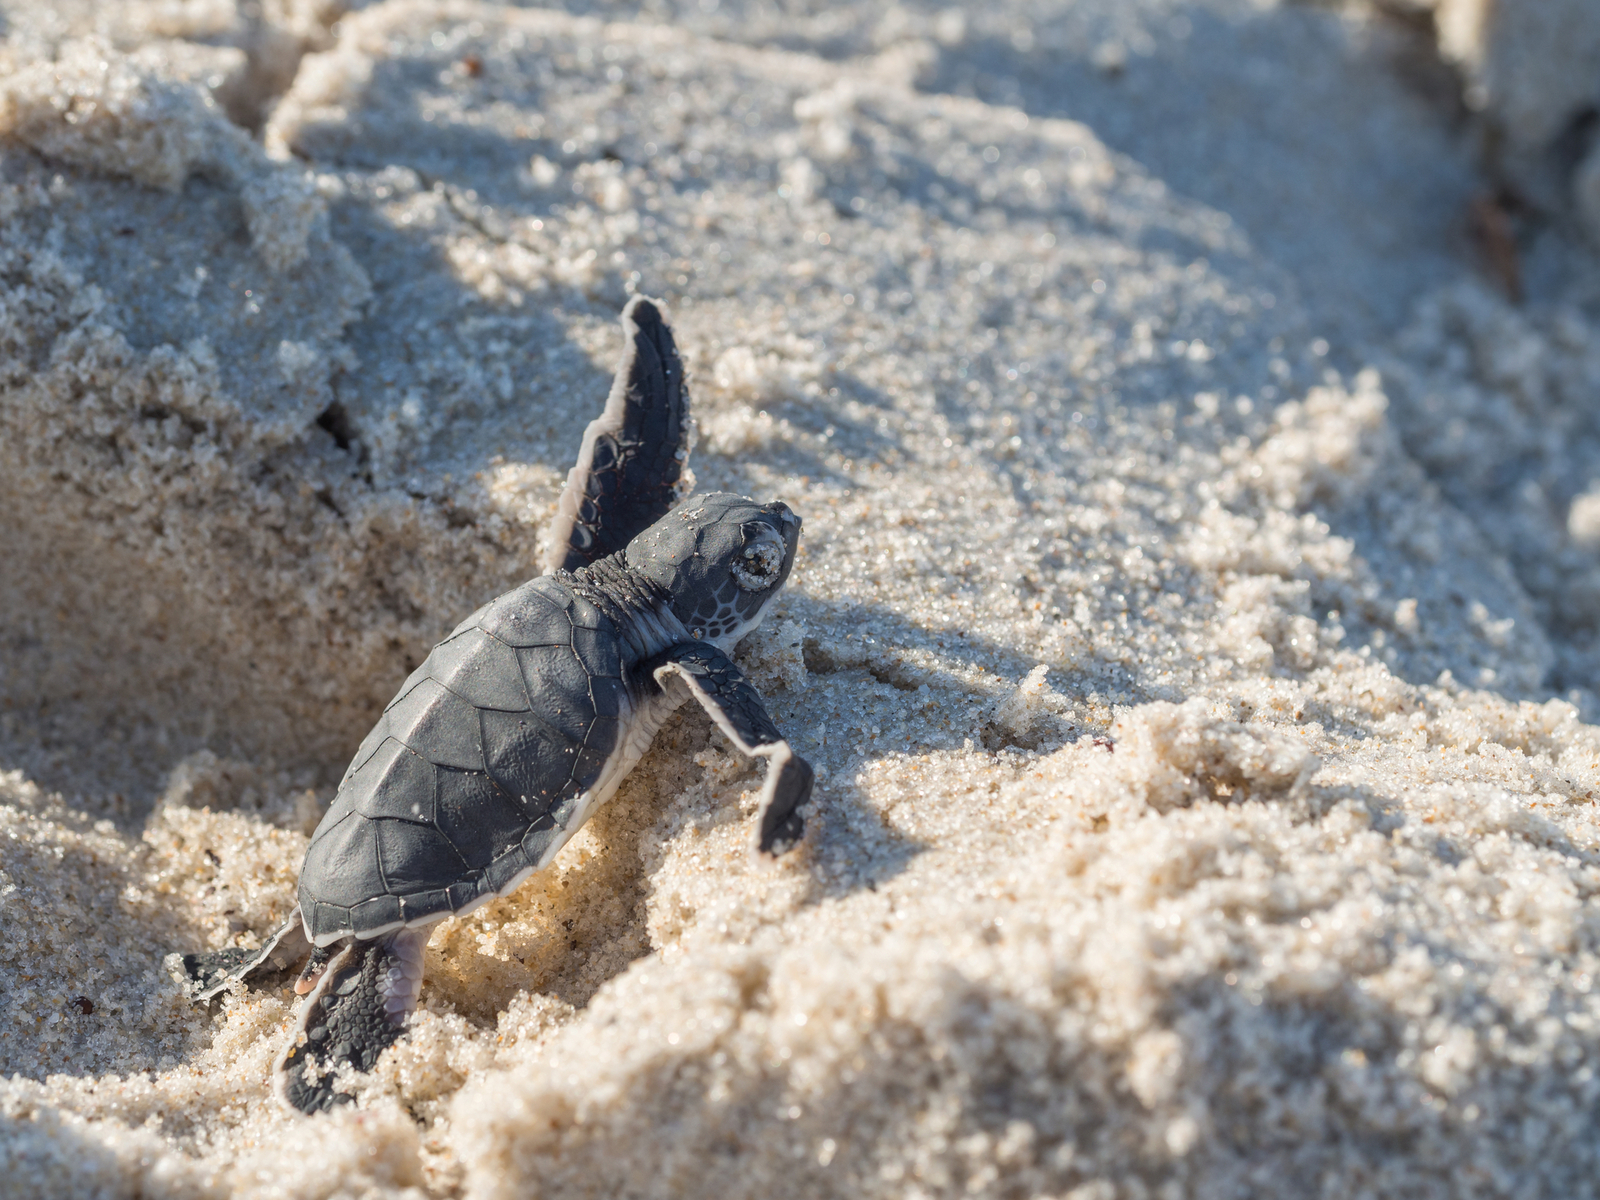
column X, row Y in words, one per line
column 1194, row 627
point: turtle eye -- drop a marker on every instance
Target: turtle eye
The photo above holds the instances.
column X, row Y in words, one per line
column 757, row 566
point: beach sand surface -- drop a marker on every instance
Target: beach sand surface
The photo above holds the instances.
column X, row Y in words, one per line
column 1194, row 628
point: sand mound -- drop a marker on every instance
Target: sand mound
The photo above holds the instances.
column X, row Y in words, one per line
column 1195, row 655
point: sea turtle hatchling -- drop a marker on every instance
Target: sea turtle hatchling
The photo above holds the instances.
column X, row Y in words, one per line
column 521, row 724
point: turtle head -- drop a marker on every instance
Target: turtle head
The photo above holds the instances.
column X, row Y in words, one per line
column 722, row 558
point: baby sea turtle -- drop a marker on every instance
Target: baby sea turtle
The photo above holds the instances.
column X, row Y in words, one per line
column 522, row 722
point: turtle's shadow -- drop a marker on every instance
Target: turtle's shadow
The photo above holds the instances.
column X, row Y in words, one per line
column 853, row 848
column 874, row 678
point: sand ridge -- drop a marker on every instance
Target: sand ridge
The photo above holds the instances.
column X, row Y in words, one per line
column 1195, row 660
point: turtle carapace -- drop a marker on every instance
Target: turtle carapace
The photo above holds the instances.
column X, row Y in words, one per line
column 522, row 722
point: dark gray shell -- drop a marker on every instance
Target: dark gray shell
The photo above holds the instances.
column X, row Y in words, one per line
column 471, row 776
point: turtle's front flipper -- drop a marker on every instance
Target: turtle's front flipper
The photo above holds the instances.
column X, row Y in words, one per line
column 736, row 707
column 206, row 975
column 357, row 1011
column 633, row 464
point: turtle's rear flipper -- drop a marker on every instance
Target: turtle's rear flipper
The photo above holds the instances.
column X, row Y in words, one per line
column 207, row 975
column 357, row 1011
column 633, row 464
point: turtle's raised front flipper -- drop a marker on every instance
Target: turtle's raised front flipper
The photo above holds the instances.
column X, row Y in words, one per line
column 736, row 707
column 204, row 976
column 357, row 1011
column 633, row 464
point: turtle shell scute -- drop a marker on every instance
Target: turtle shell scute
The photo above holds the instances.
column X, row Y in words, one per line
column 440, row 726
column 598, row 654
column 590, row 764
column 603, row 733
column 504, row 869
column 325, row 917
column 375, row 913
column 396, row 782
column 584, row 615
column 369, row 746
column 609, row 697
column 527, row 759
column 341, row 866
column 559, row 688
column 477, row 818
column 414, row 857
column 481, row 669
column 534, row 614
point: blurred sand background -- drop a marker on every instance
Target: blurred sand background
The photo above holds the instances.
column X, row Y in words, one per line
column 1194, row 408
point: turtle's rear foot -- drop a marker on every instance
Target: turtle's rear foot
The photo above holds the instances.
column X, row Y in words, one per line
column 357, row 1010
column 205, row 976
